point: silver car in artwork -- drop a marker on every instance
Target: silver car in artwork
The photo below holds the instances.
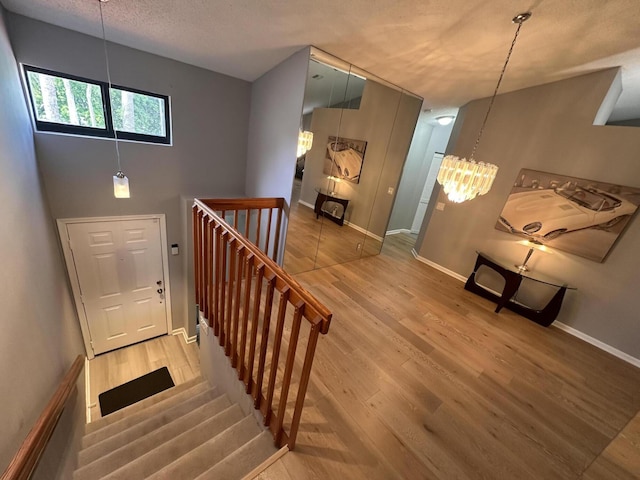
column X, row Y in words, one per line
column 548, row 213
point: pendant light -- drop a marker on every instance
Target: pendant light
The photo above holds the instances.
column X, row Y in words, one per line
column 464, row 179
column 120, row 180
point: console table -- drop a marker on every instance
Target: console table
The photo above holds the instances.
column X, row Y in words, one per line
column 512, row 279
column 326, row 196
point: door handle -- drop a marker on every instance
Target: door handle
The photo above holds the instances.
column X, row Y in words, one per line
column 160, row 290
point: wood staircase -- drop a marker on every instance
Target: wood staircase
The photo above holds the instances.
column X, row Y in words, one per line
column 186, row 432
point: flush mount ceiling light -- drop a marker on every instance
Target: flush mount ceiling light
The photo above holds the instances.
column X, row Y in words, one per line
column 120, row 180
column 445, row 119
column 464, row 179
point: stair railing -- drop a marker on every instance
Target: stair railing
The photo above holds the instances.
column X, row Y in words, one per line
column 26, row 458
column 238, row 287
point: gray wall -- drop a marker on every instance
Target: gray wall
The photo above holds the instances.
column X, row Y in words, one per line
column 40, row 336
column 549, row 128
column 210, row 119
column 276, row 107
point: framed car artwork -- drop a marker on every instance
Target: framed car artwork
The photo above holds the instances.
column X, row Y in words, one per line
column 579, row 216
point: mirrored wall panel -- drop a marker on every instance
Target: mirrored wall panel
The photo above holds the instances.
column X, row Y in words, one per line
column 361, row 129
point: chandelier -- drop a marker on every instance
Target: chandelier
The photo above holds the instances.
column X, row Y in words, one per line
column 464, row 179
column 305, row 142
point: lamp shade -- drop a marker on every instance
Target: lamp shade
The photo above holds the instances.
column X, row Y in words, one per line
column 120, row 185
column 464, row 179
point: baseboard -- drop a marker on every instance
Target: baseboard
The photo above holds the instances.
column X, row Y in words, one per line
column 266, row 464
column 302, row 202
column 451, row 273
column 183, row 332
column 87, row 389
column 362, row 230
column 597, row 343
column 566, row 328
column 397, row 231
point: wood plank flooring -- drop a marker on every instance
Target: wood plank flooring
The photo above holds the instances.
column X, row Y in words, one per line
column 120, row 366
column 418, row 378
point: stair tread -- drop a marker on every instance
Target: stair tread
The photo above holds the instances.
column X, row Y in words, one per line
column 141, row 405
column 243, row 460
column 161, row 455
column 193, row 461
column 159, row 428
column 141, row 415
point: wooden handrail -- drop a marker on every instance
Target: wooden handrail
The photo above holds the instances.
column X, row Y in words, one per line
column 236, row 286
column 26, row 458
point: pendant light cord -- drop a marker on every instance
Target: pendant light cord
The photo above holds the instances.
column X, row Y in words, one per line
column 106, row 58
column 495, row 92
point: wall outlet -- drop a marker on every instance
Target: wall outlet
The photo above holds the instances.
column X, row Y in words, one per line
column 390, row 190
column 358, row 247
column 440, row 206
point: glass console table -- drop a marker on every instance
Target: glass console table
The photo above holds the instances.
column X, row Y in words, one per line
column 512, row 279
column 330, row 205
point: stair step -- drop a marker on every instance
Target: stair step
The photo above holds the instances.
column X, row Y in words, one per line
column 148, row 456
column 241, row 461
column 211, row 452
column 161, row 428
column 142, row 404
column 139, row 416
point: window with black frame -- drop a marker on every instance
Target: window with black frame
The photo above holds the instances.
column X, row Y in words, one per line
column 65, row 103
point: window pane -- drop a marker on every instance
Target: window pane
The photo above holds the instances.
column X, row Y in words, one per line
column 138, row 113
column 67, row 102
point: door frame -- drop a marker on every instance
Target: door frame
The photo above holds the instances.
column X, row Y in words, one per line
column 73, row 275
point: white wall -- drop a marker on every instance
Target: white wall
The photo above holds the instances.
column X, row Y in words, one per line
column 276, row 109
column 549, row 128
column 40, row 336
column 210, row 114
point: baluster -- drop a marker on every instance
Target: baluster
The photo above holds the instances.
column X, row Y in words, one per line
column 247, row 224
column 268, row 238
column 231, row 285
column 223, row 286
column 288, row 370
column 258, row 228
column 276, row 243
column 254, row 329
column 249, row 259
column 207, row 269
column 236, row 309
column 196, row 251
column 217, row 282
column 304, row 382
column 264, row 339
column 235, row 219
column 275, row 355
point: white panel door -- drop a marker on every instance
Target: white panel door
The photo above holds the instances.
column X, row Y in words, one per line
column 429, row 183
column 119, row 269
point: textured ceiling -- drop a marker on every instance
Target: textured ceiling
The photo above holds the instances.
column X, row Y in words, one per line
column 447, row 51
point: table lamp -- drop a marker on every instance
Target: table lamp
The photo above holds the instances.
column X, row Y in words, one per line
column 533, row 245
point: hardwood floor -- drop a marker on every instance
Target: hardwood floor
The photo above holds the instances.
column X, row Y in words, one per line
column 318, row 242
column 418, row 378
column 120, row 366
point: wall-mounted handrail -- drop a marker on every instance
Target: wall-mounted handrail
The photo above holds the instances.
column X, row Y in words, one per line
column 26, row 458
column 239, row 287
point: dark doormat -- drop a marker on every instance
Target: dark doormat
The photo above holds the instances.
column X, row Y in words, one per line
column 135, row 390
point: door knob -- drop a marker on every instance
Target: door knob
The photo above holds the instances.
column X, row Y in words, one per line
column 159, row 290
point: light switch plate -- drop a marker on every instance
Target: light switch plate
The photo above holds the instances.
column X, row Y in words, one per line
column 440, row 206
column 390, row 190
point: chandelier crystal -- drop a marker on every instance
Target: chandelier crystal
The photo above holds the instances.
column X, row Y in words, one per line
column 464, row 179
column 305, row 142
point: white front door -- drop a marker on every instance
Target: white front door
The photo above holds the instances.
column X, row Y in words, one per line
column 121, row 281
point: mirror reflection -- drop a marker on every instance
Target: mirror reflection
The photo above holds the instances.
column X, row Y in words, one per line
column 345, row 182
